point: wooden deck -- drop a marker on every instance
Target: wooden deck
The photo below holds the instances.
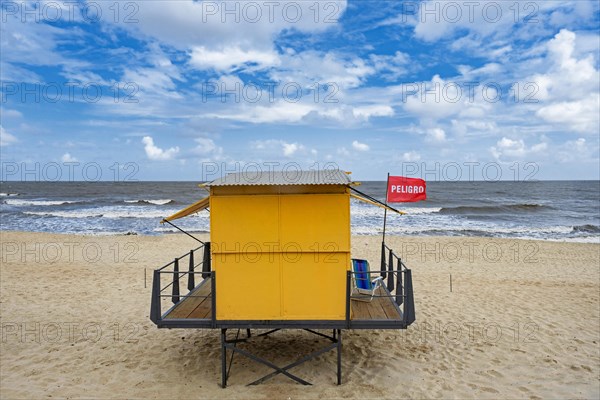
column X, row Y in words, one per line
column 380, row 308
column 198, row 305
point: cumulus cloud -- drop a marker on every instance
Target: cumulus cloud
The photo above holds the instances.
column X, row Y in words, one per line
column 579, row 150
column 568, row 91
column 360, row 146
column 280, row 146
column 68, row 158
column 232, row 57
column 342, row 151
column 580, row 115
column 411, row 156
column 205, row 146
column 289, row 149
column 156, row 153
column 194, row 23
column 436, row 135
column 226, row 35
column 6, row 139
column 507, row 148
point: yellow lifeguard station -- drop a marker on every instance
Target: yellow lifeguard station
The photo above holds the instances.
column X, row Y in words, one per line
column 279, row 257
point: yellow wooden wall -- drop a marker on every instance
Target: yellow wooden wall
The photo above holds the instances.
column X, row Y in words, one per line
column 280, row 255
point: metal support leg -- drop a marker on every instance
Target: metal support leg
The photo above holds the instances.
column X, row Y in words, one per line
column 335, row 340
column 339, row 357
column 248, row 333
column 223, row 360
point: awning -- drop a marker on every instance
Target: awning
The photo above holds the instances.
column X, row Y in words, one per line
column 194, row 208
column 376, row 203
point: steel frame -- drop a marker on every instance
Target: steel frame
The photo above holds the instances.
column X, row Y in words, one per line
column 231, row 344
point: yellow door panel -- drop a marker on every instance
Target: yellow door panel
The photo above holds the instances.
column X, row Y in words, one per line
column 314, row 285
column 248, row 286
column 241, row 223
column 315, row 222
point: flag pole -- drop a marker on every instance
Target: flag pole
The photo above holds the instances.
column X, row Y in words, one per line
column 387, row 183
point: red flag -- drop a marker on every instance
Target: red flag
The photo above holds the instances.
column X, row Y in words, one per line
column 404, row 190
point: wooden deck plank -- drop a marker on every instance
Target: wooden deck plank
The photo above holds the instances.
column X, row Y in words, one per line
column 376, row 308
column 388, row 307
column 360, row 310
column 203, row 311
column 380, row 308
column 189, row 304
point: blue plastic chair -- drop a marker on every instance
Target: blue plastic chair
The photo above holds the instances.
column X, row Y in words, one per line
column 363, row 284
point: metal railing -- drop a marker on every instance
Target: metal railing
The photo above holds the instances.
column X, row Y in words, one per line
column 166, row 283
column 397, row 284
column 403, row 283
column 174, row 274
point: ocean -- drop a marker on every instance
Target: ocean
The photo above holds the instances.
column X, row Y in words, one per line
column 548, row 210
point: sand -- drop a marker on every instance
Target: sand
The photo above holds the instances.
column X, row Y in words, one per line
column 522, row 321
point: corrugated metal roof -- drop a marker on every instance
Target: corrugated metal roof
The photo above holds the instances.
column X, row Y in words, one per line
column 292, row 177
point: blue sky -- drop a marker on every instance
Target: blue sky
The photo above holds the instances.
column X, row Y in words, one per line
column 186, row 90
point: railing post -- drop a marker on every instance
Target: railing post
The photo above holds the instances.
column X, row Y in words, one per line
column 348, row 291
column 155, row 303
column 213, row 294
column 175, row 294
column 390, row 263
column 206, row 261
column 383, row 266
column 191, row 280
column 390, row 282
column 399, row 288
column 409, row 304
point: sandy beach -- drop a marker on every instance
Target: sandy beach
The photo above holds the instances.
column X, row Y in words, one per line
column 522, row 321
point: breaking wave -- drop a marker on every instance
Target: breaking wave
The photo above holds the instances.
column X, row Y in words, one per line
column 38, row 202
column 587, row 228
column 498, row 209
column 155, row 202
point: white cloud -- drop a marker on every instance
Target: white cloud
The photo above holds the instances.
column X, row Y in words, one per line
column 290, row 148
column 411, row 156
column 489, row 23
column 439, row 19
column 282, row 147
column 233, row 57
column 310, row 67
column 580, row 115
column 9, row 113
column 150, row 81
column 580, row 151
column 223, row 35
column 374, row 110
column 28, row 42
column 436, row 135
column 569, row 89
column 156, row 153
column 442, row 98
column 342, row 151
column 218, row 23
column 6, row 139
column 360, row 146
column 206, row 146
column 507, row 148
column 567, row 77
column 392, row 67
column 68, row 158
